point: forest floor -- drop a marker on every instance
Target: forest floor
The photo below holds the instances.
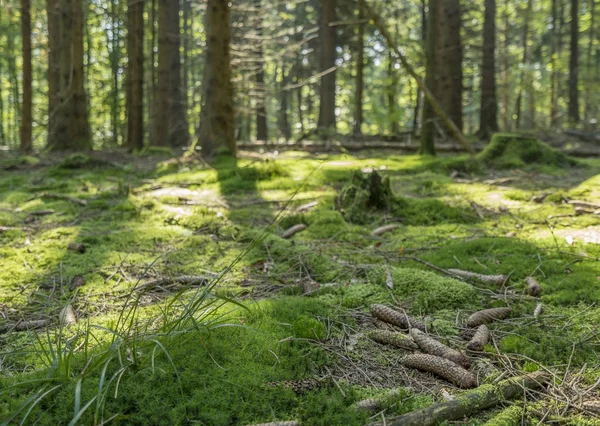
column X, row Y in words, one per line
column 192, row 309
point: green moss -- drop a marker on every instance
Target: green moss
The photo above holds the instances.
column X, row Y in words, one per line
column 510, row 416
column 508, row 150
column 309, row 328
column 427, row 291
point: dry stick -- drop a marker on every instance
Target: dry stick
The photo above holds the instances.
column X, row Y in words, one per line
column 470, row 402
column 430, row 97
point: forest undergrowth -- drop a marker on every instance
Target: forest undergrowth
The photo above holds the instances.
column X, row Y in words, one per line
column 155, row 290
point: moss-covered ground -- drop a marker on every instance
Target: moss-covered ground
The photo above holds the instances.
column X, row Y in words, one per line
column 218, row 354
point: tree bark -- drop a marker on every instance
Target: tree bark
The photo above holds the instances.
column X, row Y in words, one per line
column 68, row 120
column 392, row 93
column 470, row 402
column 574, row 65
column 429, row 129
column 135, row 74
column 26, row 107
column 161, row 111
column 553, row 63
column 431, row 99
column 179, row 132
column 360, row 67
column 217, row 118
column 488, row 113
column 587, row 106
column 523, row 76
column 418, row 114
column 284, row 123
column 449, row 60
column 262, row 133
column 326, row 123
column 113, row 54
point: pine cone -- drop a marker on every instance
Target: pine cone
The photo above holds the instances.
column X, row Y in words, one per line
column 431, row 346
column 398, row 340
column 399, row 319
column 371, row 404
column 441, row 367
column 479, row 339
column 533, row 287
column 488, row 315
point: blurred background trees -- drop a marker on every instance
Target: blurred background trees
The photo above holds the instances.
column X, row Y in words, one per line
column 133, row 73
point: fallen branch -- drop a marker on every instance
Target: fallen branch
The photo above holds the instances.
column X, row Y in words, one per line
column 487, row 279
column 184, row 280
column 24, row 326
column 471, row 402
column 64, row 198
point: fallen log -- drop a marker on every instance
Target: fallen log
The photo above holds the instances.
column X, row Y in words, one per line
column 24, row 326
column 470, row 402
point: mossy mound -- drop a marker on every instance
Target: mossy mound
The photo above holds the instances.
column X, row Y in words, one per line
column 363, row 193
column 508, row 150
column 427, row 291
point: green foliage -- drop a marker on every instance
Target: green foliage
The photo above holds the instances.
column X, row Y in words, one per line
column 508, row 151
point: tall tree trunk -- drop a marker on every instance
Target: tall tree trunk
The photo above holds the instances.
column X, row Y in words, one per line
column 284, row 123
column 587, row 107
column 429, row 129
column 26, row 107
column 151, row 85
column 523, row 76
column 444, row 68
column 179, row 132
column 553, row 64
column 217, row 117
column 392, row 93
column 326, row 123
column 262, row 133
column 506, row 69
column 114, row 53
column 186, row 54
column 449, row 60
column 418, row 113
column 161, row 114
column 135, row 75
column 488, row 113
column 574, row 65
column 360, row 67
column 53, row 13
column 69, row 119
column 14, row 97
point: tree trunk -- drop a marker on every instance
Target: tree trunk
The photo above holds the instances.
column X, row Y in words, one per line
column 429, row 129
column 284, row 123
column 488, row 113
column 179, row 132
column 587, row 107
column 26, row 107
column 68, row 120
column 186, row 55
column 326, row 123
column 112, row 39
column 449, row 60
column 506, row 70
column 360, row 67
column 418, row 113
column 523, row 77
column 135, row 75
column 151, row 85
column 392, row 93
column 262, row 133
column 161, row 110
column 574, row 65
column 217, row 117
column 553, row 64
